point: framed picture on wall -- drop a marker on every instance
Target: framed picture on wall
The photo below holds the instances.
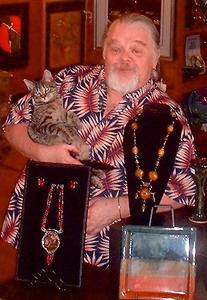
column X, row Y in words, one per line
column 64, row 34
column 13, row 35
column 160, row 11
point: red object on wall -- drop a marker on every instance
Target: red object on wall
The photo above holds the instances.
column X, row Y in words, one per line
column 10, row 30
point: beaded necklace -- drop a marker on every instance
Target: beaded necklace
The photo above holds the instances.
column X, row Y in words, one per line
column 145, row 192
column 51, row 240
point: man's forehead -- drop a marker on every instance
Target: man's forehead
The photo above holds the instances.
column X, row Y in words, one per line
column 128, row 26
column 136, row 32
column 116, row 41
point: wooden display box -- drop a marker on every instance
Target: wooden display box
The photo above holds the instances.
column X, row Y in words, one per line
column 66, row 267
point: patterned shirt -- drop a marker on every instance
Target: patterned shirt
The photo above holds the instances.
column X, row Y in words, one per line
column 84, row 91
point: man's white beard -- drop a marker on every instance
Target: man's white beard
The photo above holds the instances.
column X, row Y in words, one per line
column 120, row 84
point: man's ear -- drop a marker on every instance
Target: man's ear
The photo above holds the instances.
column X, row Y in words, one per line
column 104, row 53
column 156, row 58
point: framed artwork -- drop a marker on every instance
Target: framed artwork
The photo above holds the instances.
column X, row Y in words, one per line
column 167, row 22
column 13, row 35
column 64, row 34
column 161, row 12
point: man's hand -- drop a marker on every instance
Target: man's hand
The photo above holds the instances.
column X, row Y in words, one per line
column 60, row 153
column 104, row 211
column 17, row 136
column 101, row 212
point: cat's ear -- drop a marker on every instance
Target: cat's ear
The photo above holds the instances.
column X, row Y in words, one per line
column 29, row 84
column 47, row 75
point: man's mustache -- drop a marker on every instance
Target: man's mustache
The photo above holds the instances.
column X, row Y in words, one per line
column 124, row 67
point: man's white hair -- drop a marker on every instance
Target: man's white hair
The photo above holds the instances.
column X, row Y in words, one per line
column 139, row 20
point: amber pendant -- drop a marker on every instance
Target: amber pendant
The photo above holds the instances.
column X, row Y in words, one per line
column 145, row 194
column 143, row 206
column 50, row 242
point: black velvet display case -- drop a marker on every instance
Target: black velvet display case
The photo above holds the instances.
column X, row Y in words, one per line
column 151, row 137
column 56, row 198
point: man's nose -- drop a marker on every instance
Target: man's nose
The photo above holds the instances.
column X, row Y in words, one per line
column 126, row 56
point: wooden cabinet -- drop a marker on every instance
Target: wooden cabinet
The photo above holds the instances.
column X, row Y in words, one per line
column 5, row 79
column 172, row 67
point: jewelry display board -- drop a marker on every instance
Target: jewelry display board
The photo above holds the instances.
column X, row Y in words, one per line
column 153, row 262
column 150, row 145
column 53, row 226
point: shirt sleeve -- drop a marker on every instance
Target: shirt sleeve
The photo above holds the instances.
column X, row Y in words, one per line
column 20, row 112
column 181, row 185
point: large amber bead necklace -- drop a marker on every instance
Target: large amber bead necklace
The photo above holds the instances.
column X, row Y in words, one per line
column 145, row 192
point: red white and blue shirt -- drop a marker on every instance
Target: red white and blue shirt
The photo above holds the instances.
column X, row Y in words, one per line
column 84, row 91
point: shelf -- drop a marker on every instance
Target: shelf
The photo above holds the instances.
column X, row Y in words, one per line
column 196, row 29
column 194, row 83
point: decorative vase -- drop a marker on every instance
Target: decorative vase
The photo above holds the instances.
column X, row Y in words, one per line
column 200, row 167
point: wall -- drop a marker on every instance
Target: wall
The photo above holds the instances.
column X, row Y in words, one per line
column 172, row 71
column 36, row 44
column 35, row 63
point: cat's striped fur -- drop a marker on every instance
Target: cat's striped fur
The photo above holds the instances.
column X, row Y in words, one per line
column 51, row 123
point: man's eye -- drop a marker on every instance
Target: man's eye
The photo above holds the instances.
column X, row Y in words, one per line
column 137, row 51
column 115, row 50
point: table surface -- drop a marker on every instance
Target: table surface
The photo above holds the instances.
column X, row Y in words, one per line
column 96, row 282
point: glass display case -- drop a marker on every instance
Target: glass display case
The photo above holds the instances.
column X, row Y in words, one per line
column 157, row 263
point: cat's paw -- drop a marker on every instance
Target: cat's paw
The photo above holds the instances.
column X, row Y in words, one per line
column 97, row 178
column 73, row 120
column 84, row 152
column 97, row 182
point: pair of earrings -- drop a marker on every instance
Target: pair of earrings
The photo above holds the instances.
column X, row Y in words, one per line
column 72, row 184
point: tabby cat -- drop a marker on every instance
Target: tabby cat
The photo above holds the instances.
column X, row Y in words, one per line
column 52, row 124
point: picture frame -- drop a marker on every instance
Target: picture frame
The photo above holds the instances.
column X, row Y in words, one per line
column 167, row 12
column 192, row 48
column 14, row 35
column 64, row 32
column 167, row 23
